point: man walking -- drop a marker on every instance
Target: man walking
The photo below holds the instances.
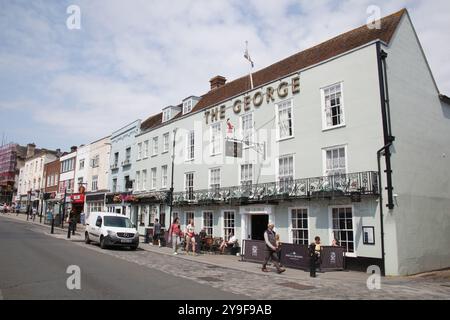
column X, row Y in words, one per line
column 271, row 249
column 157, row 233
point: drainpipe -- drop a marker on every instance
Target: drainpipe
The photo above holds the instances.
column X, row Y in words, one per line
column 383, row 262
column 388, row 139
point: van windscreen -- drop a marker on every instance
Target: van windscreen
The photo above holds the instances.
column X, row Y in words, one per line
column 118, row 222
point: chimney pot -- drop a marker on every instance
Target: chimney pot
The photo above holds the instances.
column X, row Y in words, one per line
column 217, row 82
column 30, row 149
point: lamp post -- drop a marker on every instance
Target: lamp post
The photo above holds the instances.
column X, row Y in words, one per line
column 63, row 207
column 171, row 183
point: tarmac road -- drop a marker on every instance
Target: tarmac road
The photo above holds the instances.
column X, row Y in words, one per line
column 33, row 266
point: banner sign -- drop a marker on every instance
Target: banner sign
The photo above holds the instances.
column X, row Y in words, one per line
column 295, row 256
column 332, row 258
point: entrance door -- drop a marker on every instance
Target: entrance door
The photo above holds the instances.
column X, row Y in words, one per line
column 259, row 225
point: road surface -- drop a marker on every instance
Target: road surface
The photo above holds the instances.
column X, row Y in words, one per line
column 34, row 265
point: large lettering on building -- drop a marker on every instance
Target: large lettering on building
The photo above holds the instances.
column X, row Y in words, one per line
column 255, row 100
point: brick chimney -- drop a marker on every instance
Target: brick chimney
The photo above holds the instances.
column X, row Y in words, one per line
column 31, row 147
column 217, row 82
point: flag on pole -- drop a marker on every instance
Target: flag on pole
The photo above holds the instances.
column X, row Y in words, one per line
column 246, row 55
column 230, row 126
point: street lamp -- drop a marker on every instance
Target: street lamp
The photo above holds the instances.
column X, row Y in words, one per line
column 171, row 183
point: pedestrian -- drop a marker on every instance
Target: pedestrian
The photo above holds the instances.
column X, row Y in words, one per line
column 175, row 234
column 271, row 249
column 157, row 232
column 190, row 236
column 277, row 238
column 73, row 221
column 314, row 256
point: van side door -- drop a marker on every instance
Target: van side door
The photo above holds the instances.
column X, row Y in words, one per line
column 96, row 229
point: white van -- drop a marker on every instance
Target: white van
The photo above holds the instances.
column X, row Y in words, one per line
column 110, row 229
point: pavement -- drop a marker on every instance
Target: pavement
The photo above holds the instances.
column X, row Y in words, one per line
column 229, row 274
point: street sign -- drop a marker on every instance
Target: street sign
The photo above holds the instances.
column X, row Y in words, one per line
column 233, row 149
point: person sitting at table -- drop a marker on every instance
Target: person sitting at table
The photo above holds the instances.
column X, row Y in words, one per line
column 231, row 241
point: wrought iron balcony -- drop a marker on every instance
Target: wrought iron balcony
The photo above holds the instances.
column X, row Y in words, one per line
column 351, row 184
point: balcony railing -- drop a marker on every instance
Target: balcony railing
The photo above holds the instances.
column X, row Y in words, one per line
column 114, row 166
column 126, row 163
column 361, row 183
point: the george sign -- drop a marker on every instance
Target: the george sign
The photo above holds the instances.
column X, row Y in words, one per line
column 233, row 149
column 255, row 100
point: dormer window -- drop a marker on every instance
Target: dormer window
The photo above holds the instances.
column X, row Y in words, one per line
column 187, row 106
column 166, row 114
column 189, row 103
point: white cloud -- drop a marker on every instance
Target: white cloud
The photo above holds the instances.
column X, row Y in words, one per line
column 132, row 58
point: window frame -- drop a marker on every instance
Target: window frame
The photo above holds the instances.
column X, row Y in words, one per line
column 137, row 179
column 212, row 222
column 325, row 127
column 153, row 178
column 164, row 142
column 155, row 146
column 96, row 183
column 144, row 180
column 190, row 148
column 252, row 172
column 212, row 142
column 164, row 185
column 277, row 119
column 210, row 177
column 330, row 227
column 186, row 186
column 291, row 228
column 324, row 158
column 145, row 149
column 139, row 151
column 224, row 228
column 252, row 130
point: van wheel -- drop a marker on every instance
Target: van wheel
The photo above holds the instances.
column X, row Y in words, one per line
column 102, row 242
column 86, row 238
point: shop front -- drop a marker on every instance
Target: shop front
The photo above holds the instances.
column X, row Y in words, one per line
column 77, row 205
column 95, row 202
column 119, row 203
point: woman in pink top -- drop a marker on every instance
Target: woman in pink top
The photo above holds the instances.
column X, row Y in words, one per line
column 175, row 233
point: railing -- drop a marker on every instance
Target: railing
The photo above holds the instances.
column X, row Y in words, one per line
column 114, row 166
column 126, row 162
column 361, row 183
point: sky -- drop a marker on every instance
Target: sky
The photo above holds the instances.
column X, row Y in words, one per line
column 61, row 87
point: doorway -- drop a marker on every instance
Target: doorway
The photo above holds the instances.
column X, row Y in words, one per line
column 259, row 226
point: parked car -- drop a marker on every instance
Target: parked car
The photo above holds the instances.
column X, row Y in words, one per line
column 110, row 229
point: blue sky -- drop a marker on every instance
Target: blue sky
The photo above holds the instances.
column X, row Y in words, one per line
column 62, row 87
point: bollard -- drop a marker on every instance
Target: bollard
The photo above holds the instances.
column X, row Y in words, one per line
column 68, row 231
column 53, row 226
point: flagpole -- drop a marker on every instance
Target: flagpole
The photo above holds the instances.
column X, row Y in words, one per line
column 247, row 56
